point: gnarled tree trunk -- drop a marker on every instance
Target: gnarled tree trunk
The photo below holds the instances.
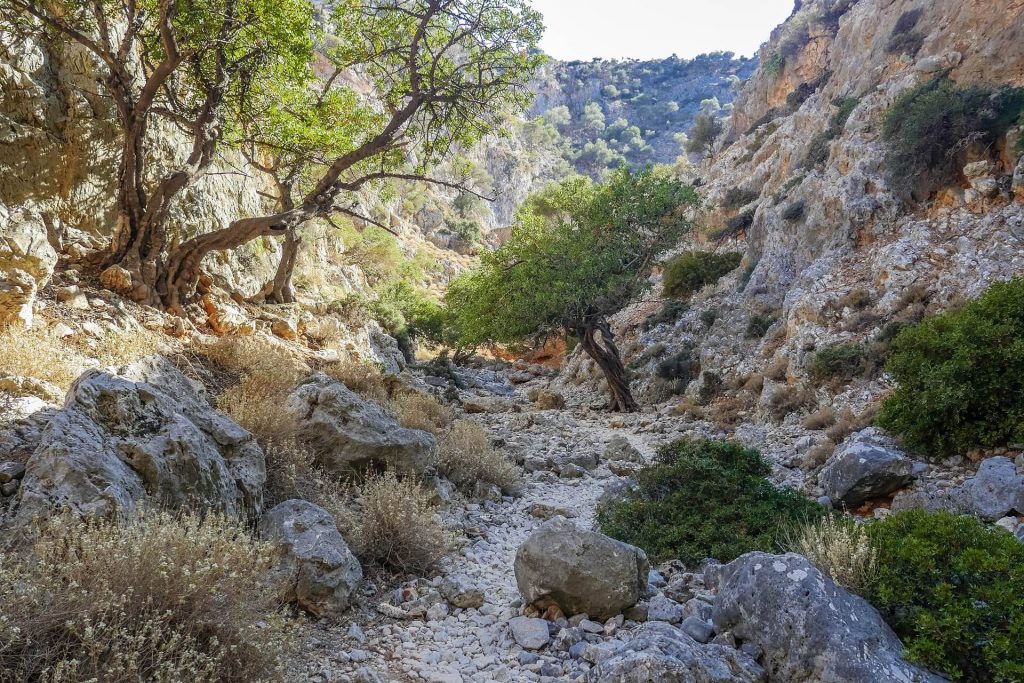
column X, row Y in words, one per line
column 598, row 342
column 279, row 290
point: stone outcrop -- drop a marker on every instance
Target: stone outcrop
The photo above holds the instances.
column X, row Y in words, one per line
column 659, row 652
column 582, row 572
column 315, row 568
column 350, row 433
column 142, row 437
column 996, row 490
column 867, row 466
column 809, row 629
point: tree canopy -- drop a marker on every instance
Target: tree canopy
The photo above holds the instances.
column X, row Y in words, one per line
column 578, row 252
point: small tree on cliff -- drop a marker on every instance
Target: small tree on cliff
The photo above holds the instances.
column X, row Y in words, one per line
column 441, row 73
column 578, row 253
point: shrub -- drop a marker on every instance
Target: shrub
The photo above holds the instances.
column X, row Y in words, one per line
column 841, row 363
column 904, row 39
column 157, row 598
column 738, row 197
column 772, row 66
column 706, row 129
column 789, row 399
column 670, row 312
column 688, row 273
column 681, row 367
column 703, row 499
column 734, row 226
column 122, row 347
column 708, row 316
column 928, row 131
column 465, row 456
column 794, row 211
column 820, row 419
column 759, row 324
column 821, row 144
column 39, row 353
column 960, row 376
column 398, row 526
column 951, row 588
column 416, row 410
column 711, row 386
column 840, row 548
column 365, row 379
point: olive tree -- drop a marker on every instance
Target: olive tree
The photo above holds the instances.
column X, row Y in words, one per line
column 420, row 77
column 578, row 252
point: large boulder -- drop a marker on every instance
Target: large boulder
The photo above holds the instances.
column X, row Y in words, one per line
column 582, row 572
column 809, row 628
column 315, row 570
column 867, row 466
column 996, row 490
column 144, row 436
column 663, row 653
column 350, row 433
column 27, row 260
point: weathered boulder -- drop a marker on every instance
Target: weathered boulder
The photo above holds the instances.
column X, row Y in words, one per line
column 659, row 652
column 530, row 633
column 867, row 466
column 619, row 448
column 350, row 433
column 144, row 436
column 315, row 570
column 583, row 572
column 27, row 260
column 460, row 591
column 809, row 628
column 996, row 490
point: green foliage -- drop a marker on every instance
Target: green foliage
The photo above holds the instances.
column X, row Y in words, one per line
column 735, row 225
column 759, row 324
column 708, row 316
column 669, row 313
column 682, row 367
column 960, row 376
column 929, row 130
column 688, row 273
column 951, row 588
column 578, row 251
column 794, row 211
column 821, row 144
column 706, row 499
column 842, row 363
column 706, row 129
column 711, row 386
column 772, row 66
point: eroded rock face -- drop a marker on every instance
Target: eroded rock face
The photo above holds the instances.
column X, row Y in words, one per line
column 582, row 572
column 663, row 653
column 350, row 433
column 867, row 466
column 142, row 437
column 316, row 570
column 809, row 628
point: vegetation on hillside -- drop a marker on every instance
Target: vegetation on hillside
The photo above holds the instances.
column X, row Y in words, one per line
column 704, row 499
column 960, row 377
column 593, row 247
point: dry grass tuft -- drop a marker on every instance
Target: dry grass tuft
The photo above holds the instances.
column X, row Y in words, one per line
column 398, row 525
column 820, row 419
column 466, row 457
column 157, row 598
column 268, row 372
column 841, row 548
column 364, row 379
column 41, row 354
column 416, row 410
column 122, row 347
column 847, row 423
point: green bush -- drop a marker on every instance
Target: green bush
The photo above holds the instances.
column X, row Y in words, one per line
column 951, row 588
column 759, row 324
column 681, row 366
column 688, row 273
column 821, row 144
column 708, row 316
column 960, row 376
column 705, row 498
column 670, row 312
column 737, row 197
column 928, row 131
column 840, row 362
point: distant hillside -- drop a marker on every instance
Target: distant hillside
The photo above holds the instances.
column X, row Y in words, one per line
column 609, row 110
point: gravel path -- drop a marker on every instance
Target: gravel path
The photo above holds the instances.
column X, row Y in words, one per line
column 463, row 645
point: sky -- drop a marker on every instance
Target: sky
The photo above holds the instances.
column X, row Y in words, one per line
column 653, row 29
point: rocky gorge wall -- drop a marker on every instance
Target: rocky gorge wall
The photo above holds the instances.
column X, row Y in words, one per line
column 831, row 252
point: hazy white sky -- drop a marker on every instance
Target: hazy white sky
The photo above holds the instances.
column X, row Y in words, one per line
column 650, row 29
